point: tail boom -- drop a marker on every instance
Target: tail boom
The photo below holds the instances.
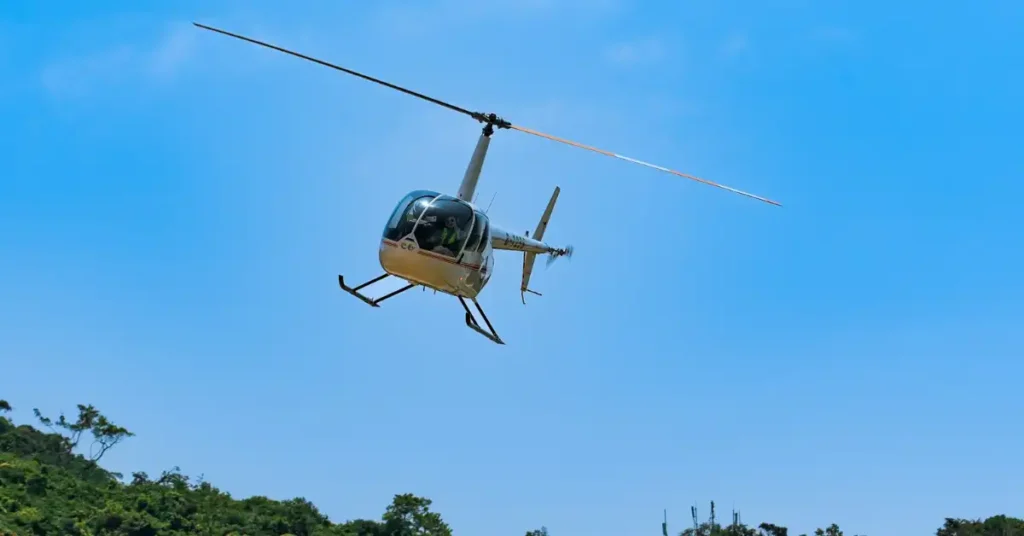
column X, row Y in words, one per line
column 530, row 246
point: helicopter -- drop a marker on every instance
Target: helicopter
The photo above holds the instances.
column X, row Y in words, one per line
column 445, row 242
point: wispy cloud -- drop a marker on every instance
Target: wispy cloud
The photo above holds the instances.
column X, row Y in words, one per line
column 834, row 35
column 523, row 8
column 642, row 51
column 534, row 7
column 423, row 17
column 171, row 53
column 735, row 45
column 73, row 76
column 160, row 61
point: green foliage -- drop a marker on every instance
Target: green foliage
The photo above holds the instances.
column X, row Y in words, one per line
column 47, row 489
column 408, row 515
column 707, row 529
column 771, row 529
column 105, row 434
column 832, row 530
column 993, row 526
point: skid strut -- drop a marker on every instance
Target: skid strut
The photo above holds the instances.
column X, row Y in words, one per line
column 472, row 323
column 369, row 301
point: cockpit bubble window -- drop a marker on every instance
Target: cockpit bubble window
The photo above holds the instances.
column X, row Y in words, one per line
column 476, row 235
column 484, row 227
column 404, row 217
column 445, row 226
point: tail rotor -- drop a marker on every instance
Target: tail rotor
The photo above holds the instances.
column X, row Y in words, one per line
column 562, row 252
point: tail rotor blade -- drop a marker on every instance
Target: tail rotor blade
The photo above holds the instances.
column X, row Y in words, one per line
column 642, row 163
column 554, row 255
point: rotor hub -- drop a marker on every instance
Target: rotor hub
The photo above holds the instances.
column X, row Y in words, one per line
column 491, row 121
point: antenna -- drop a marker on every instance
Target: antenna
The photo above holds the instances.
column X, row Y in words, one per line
column 696, row 524
column 664, row 524
column 492, row 202
column 712, row 515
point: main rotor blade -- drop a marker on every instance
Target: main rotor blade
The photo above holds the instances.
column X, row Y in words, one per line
column 490, row 119
column 642, row 163
column 342, row 69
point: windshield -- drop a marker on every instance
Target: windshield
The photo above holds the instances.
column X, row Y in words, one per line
column 445, row 225
column 403, row 218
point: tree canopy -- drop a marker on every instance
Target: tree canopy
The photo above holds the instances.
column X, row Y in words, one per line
column 52, row 484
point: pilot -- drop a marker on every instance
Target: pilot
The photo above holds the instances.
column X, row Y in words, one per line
column 450, row 235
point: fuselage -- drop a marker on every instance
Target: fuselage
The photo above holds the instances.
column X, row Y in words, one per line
column 446, row 243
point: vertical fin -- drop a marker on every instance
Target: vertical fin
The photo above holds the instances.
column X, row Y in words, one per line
column 538, row 234
column 528, row 259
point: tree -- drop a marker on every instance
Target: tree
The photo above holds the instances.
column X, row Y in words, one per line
column 4, row 406
column 952, row 527
column 707, row 529
column 994, row 526
column 409, row 515
column 832, row 530
column 46, row 489
column 738, row 529
column 105, row 433
column 362, row 527
column 770, row 529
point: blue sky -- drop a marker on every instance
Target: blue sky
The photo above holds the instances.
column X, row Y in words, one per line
column 176, row 206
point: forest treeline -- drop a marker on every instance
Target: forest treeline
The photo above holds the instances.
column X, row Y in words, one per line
column 51, row 484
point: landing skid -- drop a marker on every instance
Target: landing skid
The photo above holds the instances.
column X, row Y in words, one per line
column 470, row 320
column 370, row 301
column 472, row 323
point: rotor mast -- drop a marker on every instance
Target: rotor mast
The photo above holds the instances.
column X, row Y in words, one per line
column 476, row 162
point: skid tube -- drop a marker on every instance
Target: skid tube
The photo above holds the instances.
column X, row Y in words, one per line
column 370, row 301
column 472, row 323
